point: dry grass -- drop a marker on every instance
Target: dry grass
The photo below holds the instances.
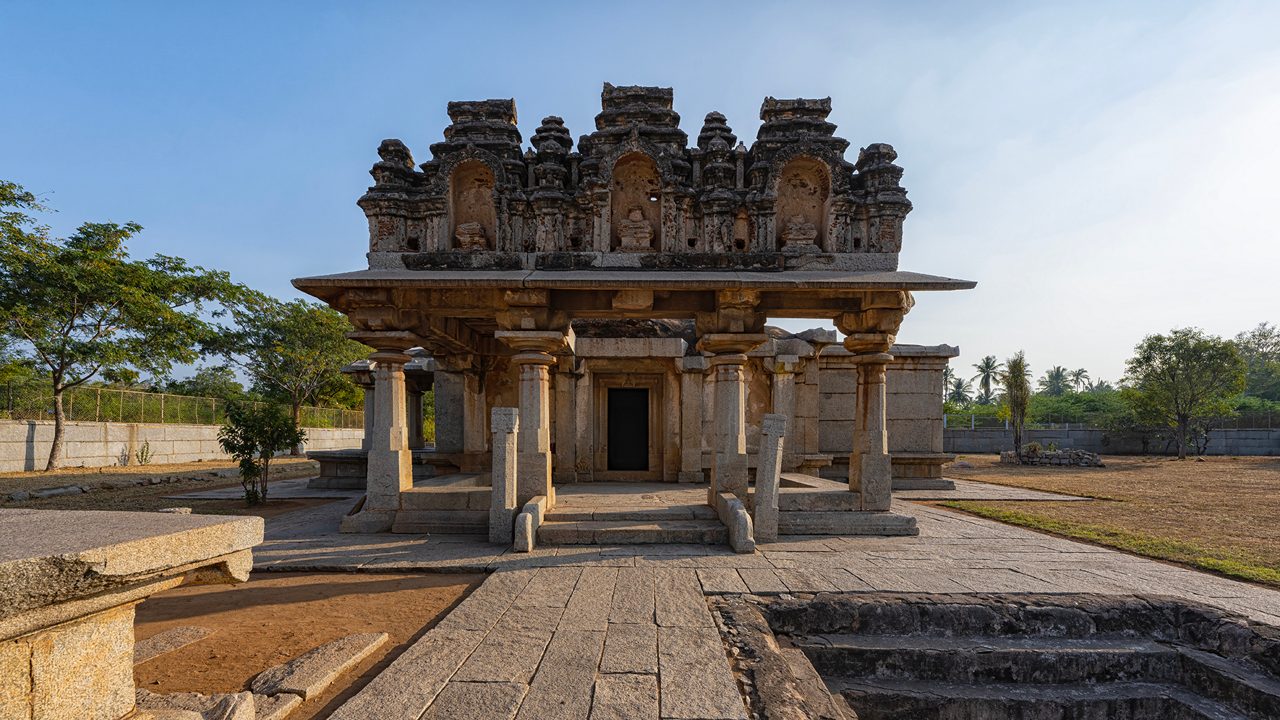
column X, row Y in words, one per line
column 126, row 496
column 1221, row 514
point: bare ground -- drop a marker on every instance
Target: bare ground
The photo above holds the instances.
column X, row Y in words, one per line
column 276, row 617
column 1222, row 510
column 113, row 488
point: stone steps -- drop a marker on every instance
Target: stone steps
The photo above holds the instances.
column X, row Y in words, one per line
column 801, row 500
column 632, row 532
column 442, row 522
column 991, row 660
column 876, row 699
column 845, row 523
column 649, row 513
column 446, row 498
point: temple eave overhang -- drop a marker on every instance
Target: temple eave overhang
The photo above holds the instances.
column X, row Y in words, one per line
column 325, row 286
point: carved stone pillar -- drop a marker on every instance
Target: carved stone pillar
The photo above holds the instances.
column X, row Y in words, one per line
column 783, row 401
column 413, row 416
column 729, row 463
column 370, row 397
column 450, row 389
column 692, row 375
column 773, row 429
column 390, row 467
column 502, row 500
column 870, row 467
column 534, row 358
column 474, row 438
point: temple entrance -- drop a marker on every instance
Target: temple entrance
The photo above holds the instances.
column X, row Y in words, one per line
column 628, row 424
column 628, row 419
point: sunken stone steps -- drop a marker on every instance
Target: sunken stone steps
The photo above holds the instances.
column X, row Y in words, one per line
column 633, row 532
column 992, row 660
column 912, row 700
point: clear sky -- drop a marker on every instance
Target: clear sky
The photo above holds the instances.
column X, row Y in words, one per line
column 1103, row 170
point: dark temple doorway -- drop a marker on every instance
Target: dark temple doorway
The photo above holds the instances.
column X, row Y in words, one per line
column 628, row 429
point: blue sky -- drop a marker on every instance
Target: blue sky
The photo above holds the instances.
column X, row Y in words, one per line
column 1103, row 170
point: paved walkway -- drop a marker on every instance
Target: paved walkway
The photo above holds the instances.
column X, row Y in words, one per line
column 605, row 643
column 606, row 632
column 973, row 490
column 953, row 553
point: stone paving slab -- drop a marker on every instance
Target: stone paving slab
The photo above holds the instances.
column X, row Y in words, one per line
column 625, row 697
column 953, row 553
column 292, row 489
column 974, row 490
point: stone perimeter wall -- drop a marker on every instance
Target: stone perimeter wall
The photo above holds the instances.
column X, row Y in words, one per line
column 24, row 445
column 1221, row 442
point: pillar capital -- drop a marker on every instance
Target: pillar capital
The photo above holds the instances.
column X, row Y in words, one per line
column 874, row 358
column 548, row 342
column 869, row 343
column 783, row 364
column 730, row 343
column 389, row 341
column 388, row 360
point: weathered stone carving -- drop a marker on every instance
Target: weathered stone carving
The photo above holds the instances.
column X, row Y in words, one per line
column 635, row 232
column 717, row 205
column 470, row 236
column 799, row 231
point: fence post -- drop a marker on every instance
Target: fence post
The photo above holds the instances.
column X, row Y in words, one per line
column 971, row 421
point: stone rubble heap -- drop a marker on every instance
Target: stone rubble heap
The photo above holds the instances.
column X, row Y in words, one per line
column 1068, row 457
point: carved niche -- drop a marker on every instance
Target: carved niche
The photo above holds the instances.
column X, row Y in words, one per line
column 475, row 221
column 804, row 193
column 742, row 231
column 635, row 203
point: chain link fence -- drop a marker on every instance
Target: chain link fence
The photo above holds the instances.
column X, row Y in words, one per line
column 969, row 421
column 34, row 401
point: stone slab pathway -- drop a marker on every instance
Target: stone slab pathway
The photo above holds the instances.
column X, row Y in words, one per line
column 292, row 489
column 972, row 490
column 953, row 553
column 564, row 642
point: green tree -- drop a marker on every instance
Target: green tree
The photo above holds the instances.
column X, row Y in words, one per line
column 1056, row 381
column 1185, row 379
column 215, row 381
column 988, row 374
column 960, row 392
column 254, row 433
column 1016, row 379
column 1260, row 349
column 1079, row 379
column 80, row 307
column 293, row 351
column 986, row 397
column 948, row 377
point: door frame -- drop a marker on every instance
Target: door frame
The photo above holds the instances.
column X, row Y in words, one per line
column 603, row 383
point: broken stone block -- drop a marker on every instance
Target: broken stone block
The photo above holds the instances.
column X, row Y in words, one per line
column 309, row 675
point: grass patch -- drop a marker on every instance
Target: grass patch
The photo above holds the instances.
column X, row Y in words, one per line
column 1162, row 548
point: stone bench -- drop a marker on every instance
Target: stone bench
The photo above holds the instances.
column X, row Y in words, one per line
column 69, row 583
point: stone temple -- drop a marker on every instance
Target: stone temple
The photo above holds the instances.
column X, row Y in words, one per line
column 594, row 316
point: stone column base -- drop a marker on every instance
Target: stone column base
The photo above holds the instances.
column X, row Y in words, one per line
column 368, row 521
column 873, row 476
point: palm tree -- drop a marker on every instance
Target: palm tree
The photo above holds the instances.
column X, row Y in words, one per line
column 1079, row 379
column 948, row 376
column 1098, row 386
column 960, row 392
column 986, row 397
column 988, row 372
column 1016, row 380
column 1055, row 381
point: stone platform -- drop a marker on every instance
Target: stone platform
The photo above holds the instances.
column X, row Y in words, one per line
column 69, row 581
